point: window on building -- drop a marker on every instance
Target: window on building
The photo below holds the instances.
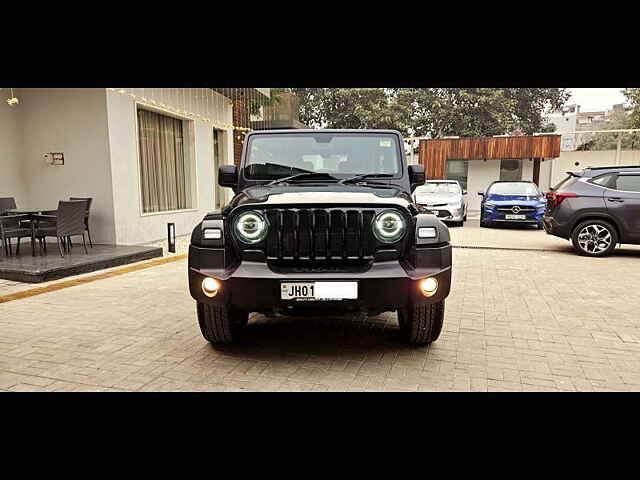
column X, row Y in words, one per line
column 510, row 169
column 458, row 170
column 165, row 163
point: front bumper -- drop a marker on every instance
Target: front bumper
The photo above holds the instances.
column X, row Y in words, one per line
column 534, row 218
column 447, row 214
column 385, row 286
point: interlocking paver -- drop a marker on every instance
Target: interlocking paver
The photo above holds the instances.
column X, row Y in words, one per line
column 515, row 321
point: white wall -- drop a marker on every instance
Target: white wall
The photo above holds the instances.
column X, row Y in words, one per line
column 480, row 175
column 132, row 226
column 527, row 169
column 72, row 121
column 11, row 178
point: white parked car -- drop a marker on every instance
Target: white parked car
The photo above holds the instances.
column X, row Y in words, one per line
column 446, row 198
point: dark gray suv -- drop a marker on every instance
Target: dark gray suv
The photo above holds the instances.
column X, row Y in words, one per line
column 596, row 208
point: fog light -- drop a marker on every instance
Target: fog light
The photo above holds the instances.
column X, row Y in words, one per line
column 429, row 286
column 210, row 287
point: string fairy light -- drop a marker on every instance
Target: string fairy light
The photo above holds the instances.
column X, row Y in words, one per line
column 217, row 118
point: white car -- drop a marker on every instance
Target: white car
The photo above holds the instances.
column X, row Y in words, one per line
column 445, row 198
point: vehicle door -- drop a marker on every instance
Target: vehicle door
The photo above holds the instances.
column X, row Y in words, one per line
column 623, row 203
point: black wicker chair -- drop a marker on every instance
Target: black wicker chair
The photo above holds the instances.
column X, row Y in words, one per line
column 10, row 227
column 7, row 203
column 67, row 222
column 86, row 218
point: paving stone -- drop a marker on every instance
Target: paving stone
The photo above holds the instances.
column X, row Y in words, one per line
column 512, row 324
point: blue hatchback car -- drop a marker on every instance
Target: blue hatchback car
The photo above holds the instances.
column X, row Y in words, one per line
column 512, row 202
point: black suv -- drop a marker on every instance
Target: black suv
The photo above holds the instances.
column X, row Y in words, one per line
column 596, row 208
column 321, row 221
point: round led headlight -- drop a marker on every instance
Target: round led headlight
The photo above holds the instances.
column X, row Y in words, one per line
column 251, row 227
column 389, row 226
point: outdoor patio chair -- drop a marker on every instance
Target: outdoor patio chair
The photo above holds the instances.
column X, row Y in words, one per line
column 7, row 203
column 67, row 222
column 86, row 218
column 10, row 227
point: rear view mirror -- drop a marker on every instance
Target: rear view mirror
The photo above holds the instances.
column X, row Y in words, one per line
column 416, row 176
column 228, row 176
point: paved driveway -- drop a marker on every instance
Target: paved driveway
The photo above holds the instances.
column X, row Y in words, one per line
column 515, row 320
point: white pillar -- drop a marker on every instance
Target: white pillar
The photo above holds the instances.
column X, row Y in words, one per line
column 618, row 149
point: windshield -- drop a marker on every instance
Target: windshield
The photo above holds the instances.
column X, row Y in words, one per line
column 340, row 155
column 514, row 188
column 438, row 187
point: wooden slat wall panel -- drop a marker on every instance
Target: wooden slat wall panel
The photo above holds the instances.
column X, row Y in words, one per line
column 435, row 153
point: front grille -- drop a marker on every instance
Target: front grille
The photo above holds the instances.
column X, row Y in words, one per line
column 509, row 209
column 319, row 234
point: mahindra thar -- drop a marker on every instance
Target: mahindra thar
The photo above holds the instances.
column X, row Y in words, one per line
column 322, row 221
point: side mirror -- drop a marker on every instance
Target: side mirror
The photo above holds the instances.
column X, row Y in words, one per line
column 416, row 176
column 228, row 176
column 464, row 192
column 481, row 194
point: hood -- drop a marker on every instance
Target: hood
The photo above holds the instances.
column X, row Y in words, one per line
column 436, row 198
column 515, row 199
column 262, row 195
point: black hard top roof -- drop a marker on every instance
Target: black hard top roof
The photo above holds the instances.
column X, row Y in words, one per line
column 324, row 130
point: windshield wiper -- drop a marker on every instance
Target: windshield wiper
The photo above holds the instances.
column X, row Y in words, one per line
column 364, row 176
column 301, row 175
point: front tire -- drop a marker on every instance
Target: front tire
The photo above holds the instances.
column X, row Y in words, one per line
column 421, row 324
column 594, row 238
column 221, row 325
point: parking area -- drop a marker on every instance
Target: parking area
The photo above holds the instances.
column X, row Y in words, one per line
column 512, row 237
column 515, row 320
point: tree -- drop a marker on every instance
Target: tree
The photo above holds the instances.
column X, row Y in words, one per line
column 472, row 112
column 351, row 108
column 432, row 112
column 633, row 98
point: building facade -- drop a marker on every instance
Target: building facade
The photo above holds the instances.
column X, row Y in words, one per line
column 476, row 162
column 570, row 120
column 147, row 156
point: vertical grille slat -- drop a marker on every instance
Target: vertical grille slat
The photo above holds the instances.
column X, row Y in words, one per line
column 368, row 239
column 351, row 236
column 336, row 246
column 321, row 234
column 288, row 234
column 305, row 232
column 273, row 240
